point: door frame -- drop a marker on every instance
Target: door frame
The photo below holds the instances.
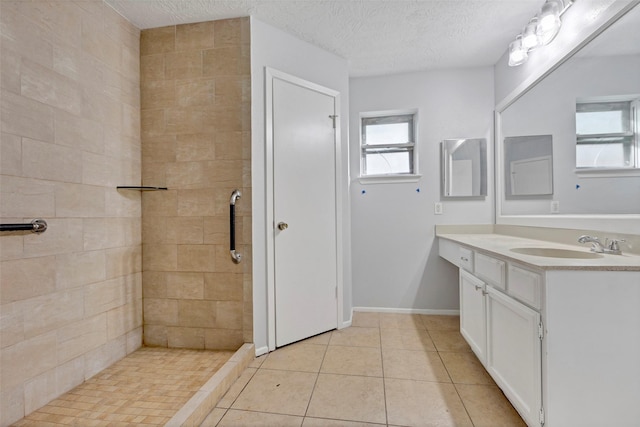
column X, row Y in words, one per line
column 270, row 75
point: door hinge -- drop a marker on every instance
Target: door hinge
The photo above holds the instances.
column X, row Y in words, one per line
column 541, row 416
column 333, row 117
column 540, row 330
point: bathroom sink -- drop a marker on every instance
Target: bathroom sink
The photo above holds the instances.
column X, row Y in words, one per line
column 556, row 253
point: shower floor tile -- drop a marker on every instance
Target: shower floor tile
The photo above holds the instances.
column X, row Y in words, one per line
column 147, row 387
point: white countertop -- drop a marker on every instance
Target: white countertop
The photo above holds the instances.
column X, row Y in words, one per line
column 500, row 245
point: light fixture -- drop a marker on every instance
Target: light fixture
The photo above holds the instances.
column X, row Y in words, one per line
column 518, row 53
column 540, row 31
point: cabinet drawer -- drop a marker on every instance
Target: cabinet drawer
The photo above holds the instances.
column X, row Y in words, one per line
column 490, row 269
column 466, row 258
column 449, row 251
column 525, row 285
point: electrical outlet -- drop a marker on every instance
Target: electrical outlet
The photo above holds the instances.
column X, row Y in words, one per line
column 555, row 206
column 437, row 208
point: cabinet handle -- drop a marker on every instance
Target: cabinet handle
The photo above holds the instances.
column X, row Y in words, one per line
column 464, row 259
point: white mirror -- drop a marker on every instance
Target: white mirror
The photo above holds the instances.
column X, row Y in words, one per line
column 592, row 172
column 464, row 167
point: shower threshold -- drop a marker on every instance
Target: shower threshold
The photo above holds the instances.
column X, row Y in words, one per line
column 151, row 386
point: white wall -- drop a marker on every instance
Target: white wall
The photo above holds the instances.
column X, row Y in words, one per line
column 276, row 49
column 395, row 258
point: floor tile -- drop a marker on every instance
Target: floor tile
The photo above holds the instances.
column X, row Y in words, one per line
column 280, row 392
column 488, row 407
column 407, row 339
column 414, row 365
column 400, row 321
column 351, row 398
column 257, row 362
column 214, row 417
column 236, row 388
column 419, row 403
column 441, row 323
column 449, row 341
column 296, row 357
column 365, row 319
column 365, row 361
column 322, row 339
column 465, row 368
column 357, row 337
column 323, row 422
column 235, row 418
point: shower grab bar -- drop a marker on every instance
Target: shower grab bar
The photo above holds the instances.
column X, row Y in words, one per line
column 232, row 226
column 35, row 226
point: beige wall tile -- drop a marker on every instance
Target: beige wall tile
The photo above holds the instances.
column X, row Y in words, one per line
column 74, row 200
column 182, row 175
column 52, row 311
column 158, row 94
column 196, row 93
column 160, row 257
column 10, row 62
column 78, row 133
column 104, row 296
column 11, row 324
column 161, row 148
column 216, row 229
column 134, row 338
column 197, row 314
column 183, row 65
column 157, row 40
column 20, row 35
column 229, row 145
column 199, row 202
column 80, row 268
column 188, row 120
column 11, row 154
column 45, row 85
column 62, row 236
column 192, row 147
column 185, row 285
column 160, row 203
column 99, row 44
column 96, row 106
column 226, row 61
column 27, row 278
column 123, row 319
column 39, row 390
column 98, row 359
column 232, row 90
column 196, row 258
column 224, row 263
column 160, row 311
column 11, row 404
column 223, row 286
column 231, row 32
column 42, row 160
column 154, row 284
column 179, row 337
column 229, row 314
column 122, row 203
column 152, row 67
column 62, row 21
column 155, row 335
column 223, row 339
column 152, row 122
column 123, row 261
column 33, row 356
column 24, row 197
column 184, row 230
column 195, row 36
column 69, row 374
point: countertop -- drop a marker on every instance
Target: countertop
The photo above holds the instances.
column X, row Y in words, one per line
column 500, row 245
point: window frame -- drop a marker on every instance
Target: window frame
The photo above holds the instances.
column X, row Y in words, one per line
column 410, row 147
column 629, row 138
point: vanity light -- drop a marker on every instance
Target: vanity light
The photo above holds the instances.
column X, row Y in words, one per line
column 540, row 31
column 518, row 53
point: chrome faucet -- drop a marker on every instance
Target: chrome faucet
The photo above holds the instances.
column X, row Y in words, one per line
column 609, row 247
column 596, row 246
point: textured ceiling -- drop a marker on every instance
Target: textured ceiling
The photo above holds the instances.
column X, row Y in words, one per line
column 376, row 36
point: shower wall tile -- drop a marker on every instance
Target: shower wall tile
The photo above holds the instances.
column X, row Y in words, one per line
column 70, row 122
column 196, row 141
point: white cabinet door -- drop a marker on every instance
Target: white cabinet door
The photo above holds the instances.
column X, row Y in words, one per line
column 472, row 313
column 514, row 353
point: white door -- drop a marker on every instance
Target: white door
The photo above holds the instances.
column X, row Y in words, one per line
column 304, row 212
column 514, row 353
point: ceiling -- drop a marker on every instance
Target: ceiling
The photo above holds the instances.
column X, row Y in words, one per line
column 376, row 36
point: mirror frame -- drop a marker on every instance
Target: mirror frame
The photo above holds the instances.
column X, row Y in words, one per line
column 627, row 223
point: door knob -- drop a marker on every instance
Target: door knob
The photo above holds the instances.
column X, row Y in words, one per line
column 282, row 225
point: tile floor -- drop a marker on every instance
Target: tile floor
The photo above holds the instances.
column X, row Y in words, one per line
column 145, row 388
column 386, row 369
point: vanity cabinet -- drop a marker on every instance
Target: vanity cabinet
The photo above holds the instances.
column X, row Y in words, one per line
column 562, row 341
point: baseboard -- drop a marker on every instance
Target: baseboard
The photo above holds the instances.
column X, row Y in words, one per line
column 407, row 311
column 262, row 350
column 347, row 323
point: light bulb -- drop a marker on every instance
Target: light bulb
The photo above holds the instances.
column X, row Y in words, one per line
column 517, row 52
column 549, row 21
column 529, row 37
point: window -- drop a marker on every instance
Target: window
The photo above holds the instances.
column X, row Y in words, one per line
column 388, row 145
column 607, row 134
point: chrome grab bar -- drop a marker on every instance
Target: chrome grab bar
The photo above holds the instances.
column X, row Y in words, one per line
column 232, row 226
column 35, row 226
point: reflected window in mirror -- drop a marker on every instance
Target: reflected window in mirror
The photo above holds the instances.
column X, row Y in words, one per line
column 607, row 133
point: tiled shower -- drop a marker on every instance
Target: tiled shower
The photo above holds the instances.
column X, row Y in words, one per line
column 88, row 105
